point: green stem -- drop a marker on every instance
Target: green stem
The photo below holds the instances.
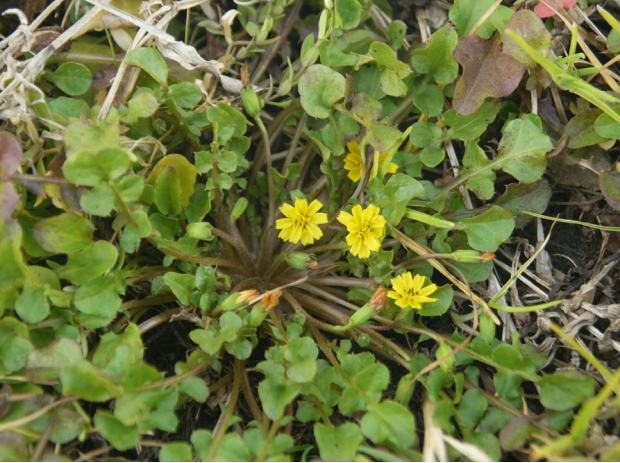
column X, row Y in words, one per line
column 224, row 420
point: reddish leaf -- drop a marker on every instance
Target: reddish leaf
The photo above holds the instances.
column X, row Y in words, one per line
column 487, row 72
column 545, row 8
column 10, row 154
column 8, row 200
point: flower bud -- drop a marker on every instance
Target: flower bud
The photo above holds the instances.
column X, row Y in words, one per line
column 488, row 257
column 378, row 300
column 448, row 364
column 361, row 316
column 238, row 299
column 200, row 231
column 257, row 316
column 301, row 261
column 251, row 102
column 270, row 299
column 238, row 209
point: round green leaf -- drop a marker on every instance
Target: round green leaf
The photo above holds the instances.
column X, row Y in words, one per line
column 320, row 88
column 72, row 78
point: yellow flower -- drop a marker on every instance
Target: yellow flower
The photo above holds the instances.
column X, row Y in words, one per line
column 301, row 222
column 365, row 227
column 353, row 162
column 409, row 291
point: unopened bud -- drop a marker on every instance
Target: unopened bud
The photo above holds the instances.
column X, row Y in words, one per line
column 378, row 300
column 301, row 261
column 200, row 231
column 238, row 209
column 361, row 316
column 271, row 299
column 251, row 102
column 238, row 299
column 488, row 257
column 257, row 316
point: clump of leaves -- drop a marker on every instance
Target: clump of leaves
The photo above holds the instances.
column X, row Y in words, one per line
column 189, row 264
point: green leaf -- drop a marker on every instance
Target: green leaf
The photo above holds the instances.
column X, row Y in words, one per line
column 143, row 104
column 488, row 230
column 436, row 59
column 113, row 161
column 581, row 129
column 606, row 126
column 392, row 71
column 46, row 363
column 99, row 201
column 471, row 409
column 196, row 388
column 338, row 443
column 389, row 422
column 350, row 11
column 201, row 440
column 181, row 285
column 168, row 192
column 444, row 295
column 275, row 394
column 383, row 137
column 86, row 136
column 424, row 134
column 465, row 14
column 471, row 127
column 525, row 197
column 565, row 390
column 527, row 25
column 185, row 94
column 67, row 425
column 150, row 61
column 63, row 234
column 483, row 182
column 121, row 437
column 226, row 161
column 82, row 169
column 393, row 197
column 117, row 354
column 14, row 345
column 185, row 171
column 72, row 78
column 429, row 99
column 32, row 305
column 90, row 262
column 85, row 382
column 130, row 187
column 301, row 353
column 320, row 88
column 176, row 451
column 522, row 150
column 98, row 297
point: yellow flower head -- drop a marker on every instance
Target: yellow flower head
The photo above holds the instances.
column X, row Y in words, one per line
column 365, row 227
column 301, row 222
column 410, row 292
column 353, row 162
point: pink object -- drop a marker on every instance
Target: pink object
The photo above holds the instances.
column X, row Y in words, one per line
column 545, row 8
